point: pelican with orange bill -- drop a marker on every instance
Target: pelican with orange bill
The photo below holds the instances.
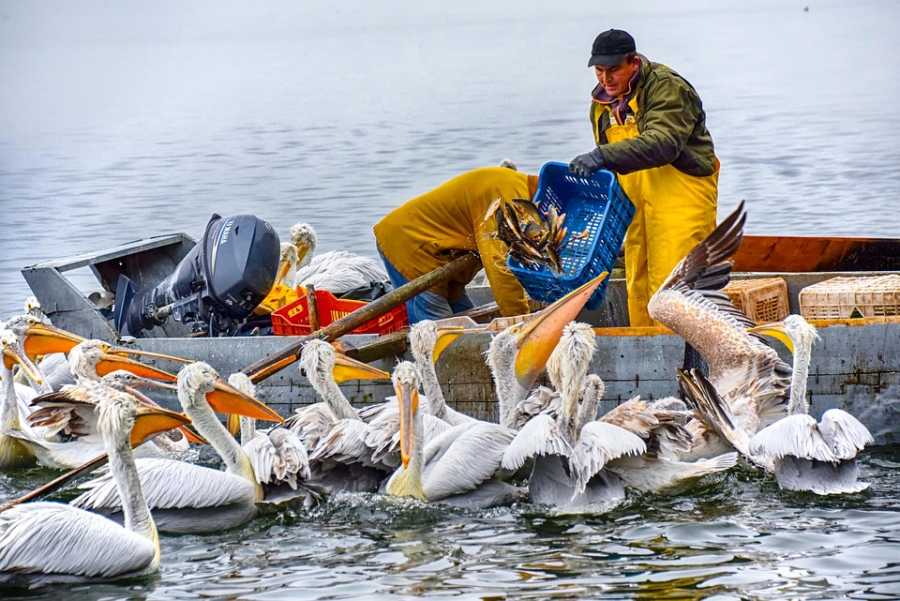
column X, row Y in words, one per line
column 191, row 498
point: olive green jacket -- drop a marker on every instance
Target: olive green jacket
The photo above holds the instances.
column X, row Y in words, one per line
column 671, row 123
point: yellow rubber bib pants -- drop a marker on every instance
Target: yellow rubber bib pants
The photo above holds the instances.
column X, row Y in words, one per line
column 674, row 212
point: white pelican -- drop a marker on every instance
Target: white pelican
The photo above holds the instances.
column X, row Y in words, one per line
column 748, row 374
column 15, row 452
column 325, row 368
column 347, row 453
column 46, row 542
column 570, row 453
column 337, row 271
column 68, row 439
column 807, row 455
column 518, row 354
column 186, row 497
column 659, row 469
column 279, row 458
column 458, row 467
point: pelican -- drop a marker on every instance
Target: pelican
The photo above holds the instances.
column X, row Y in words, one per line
column 15, row 452
column 46, row 542
column 325, row 368
column 279, row 458
column 663, row 430
column 337, row 271
column 68, row 439
column 518, row 354
column 458, row 467
column 747, row 373
column 570, row 453
column 186, row 497
column 348, row 453
column 806, row 455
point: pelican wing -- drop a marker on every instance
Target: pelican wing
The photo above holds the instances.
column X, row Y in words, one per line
column 463, row 458
column 52, row 538
column 663, row 430
column 349, row 442
column 170, row 484
column 384, row 433
column 598, row 444
column 311, row 423
column 541, row 399
column 844, row 434
column 794, row 436
column 261, row 453
column 540, row 436
column 291, row 458
column 691, row 304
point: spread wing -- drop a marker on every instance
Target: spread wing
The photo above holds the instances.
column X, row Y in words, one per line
column 691, row 304
column 795, row 436
column 261, row 453
column 57, row 538
column 170, row 484
column 311, row 423
column 540, row 436
column 598, row 444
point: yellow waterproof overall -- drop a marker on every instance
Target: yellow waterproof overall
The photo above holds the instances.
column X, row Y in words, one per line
column 674, row 212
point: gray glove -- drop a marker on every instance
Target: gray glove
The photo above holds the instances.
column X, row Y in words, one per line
column 586, row 164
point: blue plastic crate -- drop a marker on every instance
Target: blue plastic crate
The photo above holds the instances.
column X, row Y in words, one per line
column 596, row 204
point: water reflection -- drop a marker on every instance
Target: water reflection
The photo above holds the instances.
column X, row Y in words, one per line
column 739, row 537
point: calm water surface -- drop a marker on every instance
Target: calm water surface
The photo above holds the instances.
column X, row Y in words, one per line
column 735, row 536
column 122, row 121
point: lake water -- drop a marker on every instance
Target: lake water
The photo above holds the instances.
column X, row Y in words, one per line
column 732, row 537
column 122, row 121
column 133, row 119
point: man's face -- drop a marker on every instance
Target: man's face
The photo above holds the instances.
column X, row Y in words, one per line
column 614, row 79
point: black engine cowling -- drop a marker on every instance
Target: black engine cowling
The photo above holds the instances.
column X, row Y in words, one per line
column 215, row 287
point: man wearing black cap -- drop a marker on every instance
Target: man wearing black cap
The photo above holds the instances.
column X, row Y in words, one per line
column 650, row 128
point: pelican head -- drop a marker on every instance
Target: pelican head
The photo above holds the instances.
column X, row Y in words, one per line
column 406, row 387
column 200, row 386
column 121, row 419
column 797, row 334
column 95, row 358
column 286, row 262
column 527, row 345
column 242, row 382
column 304, row 238
column 321, row 363
column 13, row 353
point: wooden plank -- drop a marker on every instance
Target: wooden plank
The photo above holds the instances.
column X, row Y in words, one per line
column 816, row 253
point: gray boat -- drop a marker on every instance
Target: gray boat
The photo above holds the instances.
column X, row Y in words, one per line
column 855, row 366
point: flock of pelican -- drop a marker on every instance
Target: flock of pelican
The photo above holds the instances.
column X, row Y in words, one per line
column 550, row 444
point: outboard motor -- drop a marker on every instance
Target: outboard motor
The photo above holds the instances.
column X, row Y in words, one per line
column 215, row 287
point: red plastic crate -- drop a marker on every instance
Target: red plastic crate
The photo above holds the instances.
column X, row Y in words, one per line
column 293, row 319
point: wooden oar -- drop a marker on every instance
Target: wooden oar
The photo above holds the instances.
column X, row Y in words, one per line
column 291, row 353
column 57, row 482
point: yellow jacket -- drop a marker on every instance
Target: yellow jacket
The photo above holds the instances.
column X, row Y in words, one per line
column 430, row 230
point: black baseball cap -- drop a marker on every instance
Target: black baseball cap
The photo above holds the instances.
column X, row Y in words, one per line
column 611, row 47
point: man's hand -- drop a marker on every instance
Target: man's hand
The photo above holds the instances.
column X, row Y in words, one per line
column 586, row 164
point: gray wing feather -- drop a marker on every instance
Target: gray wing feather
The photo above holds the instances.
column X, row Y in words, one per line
column 170, row 484
column 52, row 538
